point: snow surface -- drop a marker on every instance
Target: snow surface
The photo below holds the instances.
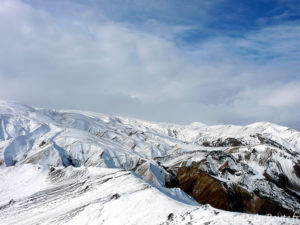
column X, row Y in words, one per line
column 74, row 167
column 93, row 195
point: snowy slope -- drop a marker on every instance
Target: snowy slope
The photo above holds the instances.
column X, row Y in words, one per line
column 96, row 195
column 53, row 167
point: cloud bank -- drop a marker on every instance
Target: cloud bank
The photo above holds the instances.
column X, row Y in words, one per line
column 113, row 66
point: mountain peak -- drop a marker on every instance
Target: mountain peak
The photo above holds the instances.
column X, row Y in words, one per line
column 254, row 168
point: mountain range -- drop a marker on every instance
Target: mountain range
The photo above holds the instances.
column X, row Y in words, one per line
column 77, row 167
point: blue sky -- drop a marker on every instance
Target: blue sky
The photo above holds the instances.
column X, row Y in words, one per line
column 219, row 61
column 205, row 18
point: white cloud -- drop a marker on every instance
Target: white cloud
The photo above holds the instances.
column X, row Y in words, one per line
column 115, row 68
column 279, row 95
column 287, row 95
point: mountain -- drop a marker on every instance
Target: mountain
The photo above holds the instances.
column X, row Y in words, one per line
column 74, row 167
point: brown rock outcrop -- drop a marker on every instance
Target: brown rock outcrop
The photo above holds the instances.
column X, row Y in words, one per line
column 206, row 189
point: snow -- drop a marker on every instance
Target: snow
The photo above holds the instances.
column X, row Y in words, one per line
column 93, row 195
column 75, row 167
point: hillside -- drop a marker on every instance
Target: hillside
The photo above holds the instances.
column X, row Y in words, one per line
column 75, row 167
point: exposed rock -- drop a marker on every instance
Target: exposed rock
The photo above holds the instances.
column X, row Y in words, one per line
column 209, row 190
column 227, row 167
column 42, row 143
column 115, row 196
column 254, row 168
column 202, row 187
column 11, row 202
column 232, row 142
column 171, row 181
column 171, row 217
column 297, row 168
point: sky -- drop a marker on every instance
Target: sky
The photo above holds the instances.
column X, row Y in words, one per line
column 176, row 61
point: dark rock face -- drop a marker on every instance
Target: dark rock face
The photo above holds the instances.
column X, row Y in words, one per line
column 280, row 179
column 225, row 167
column 231, row 174
column 115, row 196
column 202, row 187
column 171, row 181
column 171, row 217
column 209, row 190
column 297, row 168
column 232, row 142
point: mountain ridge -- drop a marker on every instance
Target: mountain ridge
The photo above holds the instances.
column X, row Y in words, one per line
column 255, row 167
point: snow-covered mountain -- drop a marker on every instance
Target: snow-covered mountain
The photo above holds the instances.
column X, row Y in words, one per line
column 73, row 167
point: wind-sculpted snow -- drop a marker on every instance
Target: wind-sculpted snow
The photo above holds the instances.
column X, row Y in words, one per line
column 31, row 194
column 73, row 167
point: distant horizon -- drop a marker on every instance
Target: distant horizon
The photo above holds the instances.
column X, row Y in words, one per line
column 213, row 62
column 141, row 119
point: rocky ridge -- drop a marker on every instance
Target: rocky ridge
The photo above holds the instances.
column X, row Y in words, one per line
column 250, row 169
